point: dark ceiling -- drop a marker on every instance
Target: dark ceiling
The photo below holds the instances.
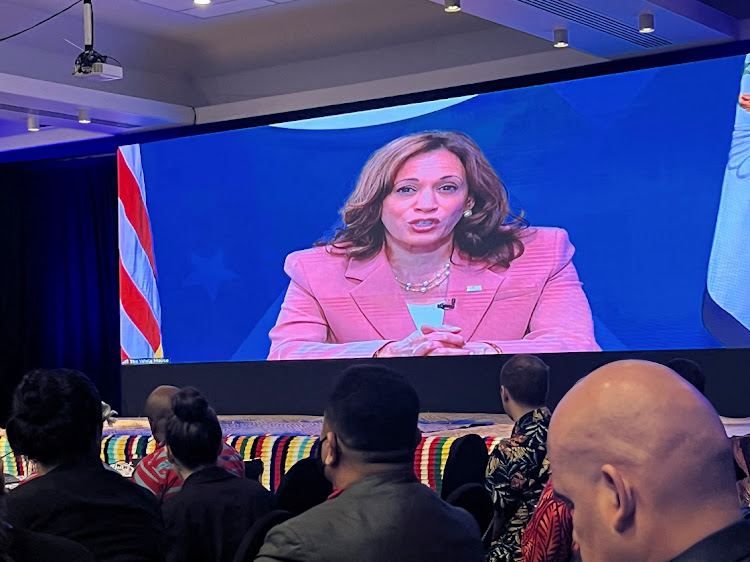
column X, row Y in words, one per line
column 739, row 9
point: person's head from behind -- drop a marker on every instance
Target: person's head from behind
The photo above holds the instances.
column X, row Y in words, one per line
column 158, row 409
column 644, row 462
column 690, row 371
column 414, row 192
column 369, row 424
column 193, row 433
column 56, row 417
column 524, row 384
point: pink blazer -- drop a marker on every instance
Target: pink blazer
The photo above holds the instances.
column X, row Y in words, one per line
column 338, row 307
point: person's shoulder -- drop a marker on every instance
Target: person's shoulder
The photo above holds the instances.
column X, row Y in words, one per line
column 320, row 261
column 28, row 545
column 31, row 488
column 545, row 248
column 444, row 513
column 130, row 489
column 317, row 255
column 543, row 237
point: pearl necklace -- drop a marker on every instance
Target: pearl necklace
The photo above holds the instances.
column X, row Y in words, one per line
column 431, row 283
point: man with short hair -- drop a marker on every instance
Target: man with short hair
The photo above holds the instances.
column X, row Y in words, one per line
column 644, row 462
column 379, row 510
column 155, row 472
column 518, row 469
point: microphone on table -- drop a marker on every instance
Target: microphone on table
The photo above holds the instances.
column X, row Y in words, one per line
column 447, row 306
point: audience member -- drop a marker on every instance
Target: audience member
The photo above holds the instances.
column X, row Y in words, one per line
column 548, row 537
column 646, row 462
column 154, row 472
column 690, row 371
column 56, row 420
column 207, row 520
column 379, row 510
column 518, row 468
column 17, row 545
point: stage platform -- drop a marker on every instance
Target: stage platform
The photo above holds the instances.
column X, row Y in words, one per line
column 280, row 441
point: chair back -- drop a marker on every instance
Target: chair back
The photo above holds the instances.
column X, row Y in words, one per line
column 256, row 535
column 302, row 487
column 475, row 499
column 466, row 464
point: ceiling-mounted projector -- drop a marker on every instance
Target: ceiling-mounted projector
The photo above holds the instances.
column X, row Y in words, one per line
column 90, row 64
column 99, row 71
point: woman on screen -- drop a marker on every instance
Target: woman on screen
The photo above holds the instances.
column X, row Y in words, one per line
column 431, row 261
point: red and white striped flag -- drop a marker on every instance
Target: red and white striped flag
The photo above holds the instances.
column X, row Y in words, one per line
column 140, row 311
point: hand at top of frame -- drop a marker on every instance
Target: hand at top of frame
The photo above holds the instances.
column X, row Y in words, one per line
column 745, row 102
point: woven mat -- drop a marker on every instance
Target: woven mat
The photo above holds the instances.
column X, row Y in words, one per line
column 429, row 424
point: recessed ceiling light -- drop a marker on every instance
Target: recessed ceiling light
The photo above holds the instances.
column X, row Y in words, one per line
column 32, row 123
column 646, row 23
column 83, row 116
column 452, row 6
column 201, row 2
column 560, row 38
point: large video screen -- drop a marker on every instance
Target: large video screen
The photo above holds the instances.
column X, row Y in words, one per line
column 607, row 213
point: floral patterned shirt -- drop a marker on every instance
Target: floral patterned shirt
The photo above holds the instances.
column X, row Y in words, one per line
column 517, row 471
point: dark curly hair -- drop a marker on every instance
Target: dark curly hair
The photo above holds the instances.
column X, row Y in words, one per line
column 193, row 432
column 56, row 416
column 491, row 234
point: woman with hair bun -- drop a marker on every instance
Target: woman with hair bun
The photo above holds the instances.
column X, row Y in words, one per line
column 56, row 421
column 432, row 261
column 208, row 518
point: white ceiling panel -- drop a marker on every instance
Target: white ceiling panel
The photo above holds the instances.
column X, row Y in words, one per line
column 216, row 8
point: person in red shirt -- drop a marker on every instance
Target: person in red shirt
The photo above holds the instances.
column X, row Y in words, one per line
column 549, row 535
column 155, row 472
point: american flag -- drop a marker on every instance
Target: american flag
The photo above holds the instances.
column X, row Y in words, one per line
column 140, row 311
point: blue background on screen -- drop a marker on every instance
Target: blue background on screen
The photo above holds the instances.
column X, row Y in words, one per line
column 631, row 165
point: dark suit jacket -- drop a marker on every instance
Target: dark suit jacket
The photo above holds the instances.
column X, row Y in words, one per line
column 208, row 518
column 26, row 546
column 82, row 501
column 731, row 544
column 390, row 516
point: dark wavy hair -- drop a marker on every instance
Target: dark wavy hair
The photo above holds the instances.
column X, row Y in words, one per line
column 56, row 416
column 491, row 234
column 193, row 431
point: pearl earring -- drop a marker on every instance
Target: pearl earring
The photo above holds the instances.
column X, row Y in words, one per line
column 468, row 213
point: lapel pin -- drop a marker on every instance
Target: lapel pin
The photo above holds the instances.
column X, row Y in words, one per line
column 473, row 288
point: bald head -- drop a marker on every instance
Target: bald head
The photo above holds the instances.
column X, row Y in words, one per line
column 640, row 424
column 158, row 409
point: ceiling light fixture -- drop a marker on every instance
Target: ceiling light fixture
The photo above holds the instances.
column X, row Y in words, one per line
column 560, row 38
column 452, row 6
column 83, row 116
column 32, row 123
column 646, row 23
column 201, row 2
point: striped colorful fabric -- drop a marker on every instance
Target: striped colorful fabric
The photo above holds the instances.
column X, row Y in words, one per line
column 140, row 310
column 13, row 464
column 278, row 452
